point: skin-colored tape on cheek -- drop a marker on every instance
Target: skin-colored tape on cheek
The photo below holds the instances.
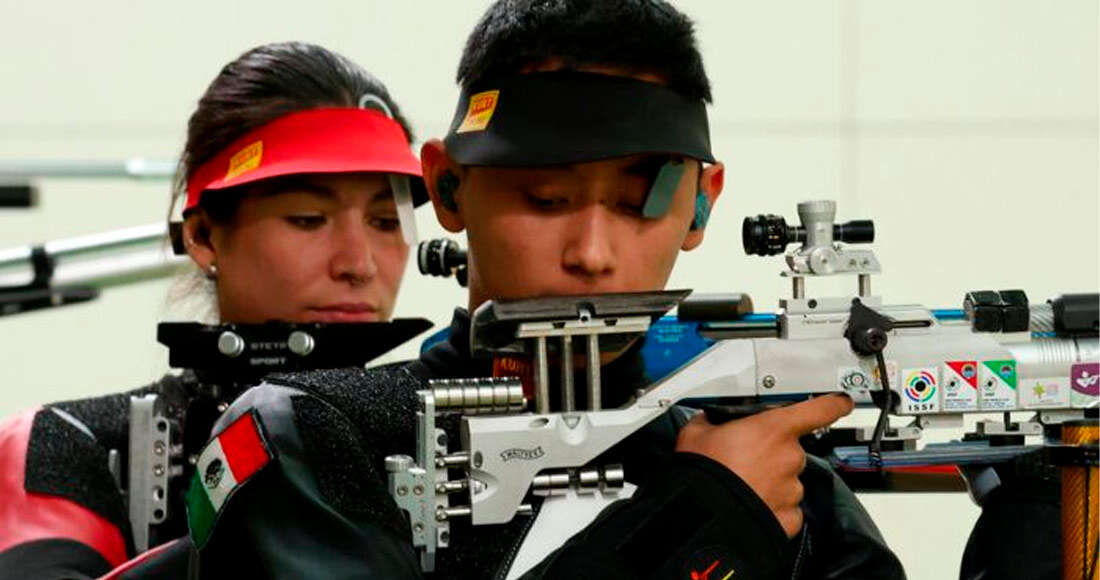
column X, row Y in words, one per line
column 402, row 197
column 663, row 189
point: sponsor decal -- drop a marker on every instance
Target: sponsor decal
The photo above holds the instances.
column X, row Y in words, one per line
column 1044, row 393
column 960, row 385
column 710, row 563
column 705, row 574
column 245, row 160
column 524, row 454
column 997, row 385
column 1085, row 378
column 480, row 111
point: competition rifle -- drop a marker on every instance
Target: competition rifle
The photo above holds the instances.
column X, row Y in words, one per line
column 999, row 354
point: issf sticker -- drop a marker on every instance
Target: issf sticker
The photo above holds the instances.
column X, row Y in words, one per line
column 920, row 390
column 1085, row 383
column 1044, row 393
column 960, row 385
column 997, row 385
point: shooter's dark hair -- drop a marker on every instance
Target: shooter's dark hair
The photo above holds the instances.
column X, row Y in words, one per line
column 647, row 36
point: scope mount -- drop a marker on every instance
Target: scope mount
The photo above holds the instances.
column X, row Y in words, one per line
column 820, row 253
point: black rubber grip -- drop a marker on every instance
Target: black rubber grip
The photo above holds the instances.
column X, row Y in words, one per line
column 714, row 307
column 17, row 196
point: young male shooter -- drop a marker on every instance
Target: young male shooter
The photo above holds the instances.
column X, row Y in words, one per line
column 578, row 162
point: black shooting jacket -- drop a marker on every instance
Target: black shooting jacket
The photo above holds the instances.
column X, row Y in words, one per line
column 320, row 507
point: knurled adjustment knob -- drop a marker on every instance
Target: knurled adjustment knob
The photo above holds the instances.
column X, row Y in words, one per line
column 230, row 344
column 300, row 343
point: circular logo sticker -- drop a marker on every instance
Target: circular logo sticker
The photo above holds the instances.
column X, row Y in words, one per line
column 854, row 381
column 920, row 386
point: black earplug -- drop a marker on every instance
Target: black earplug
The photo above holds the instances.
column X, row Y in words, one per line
column 447, row 185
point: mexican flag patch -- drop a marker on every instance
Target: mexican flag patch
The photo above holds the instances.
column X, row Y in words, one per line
column 232, row 457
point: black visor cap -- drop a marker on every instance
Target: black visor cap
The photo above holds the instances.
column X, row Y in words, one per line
column 562, row 118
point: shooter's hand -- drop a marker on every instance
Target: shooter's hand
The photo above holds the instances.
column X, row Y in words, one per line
column 763, row 450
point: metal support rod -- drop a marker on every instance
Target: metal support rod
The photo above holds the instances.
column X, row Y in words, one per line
column 799, row 287
column 105, row 259
column 443, row 514
column 104, row 270
column 568, row 397
column 542, row 377
column 460, row 459
column 864, row 285
column 452, row 486
column 134, row 168
column 594, row 393
column 146, row 235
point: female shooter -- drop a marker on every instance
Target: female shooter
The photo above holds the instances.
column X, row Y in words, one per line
column 299, row 184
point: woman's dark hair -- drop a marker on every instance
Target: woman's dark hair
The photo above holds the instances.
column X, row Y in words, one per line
column 261, row 85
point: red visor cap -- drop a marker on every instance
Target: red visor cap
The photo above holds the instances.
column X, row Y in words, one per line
column 334, row 140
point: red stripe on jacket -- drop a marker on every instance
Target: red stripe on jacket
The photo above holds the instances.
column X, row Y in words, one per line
column 150, row 556
column 26, row 517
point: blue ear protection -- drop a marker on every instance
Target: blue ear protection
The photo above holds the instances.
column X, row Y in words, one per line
column 702, row 210
column 447, row 185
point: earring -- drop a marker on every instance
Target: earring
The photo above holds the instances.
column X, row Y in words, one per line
column 212, row 272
